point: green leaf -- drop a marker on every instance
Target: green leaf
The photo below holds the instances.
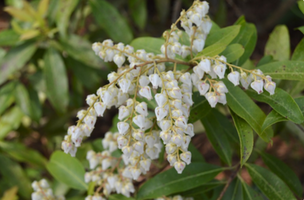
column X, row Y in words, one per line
column 284, row 172
column 119, row 197
column 8, row 37
column 301, row 6
column 203, row 188
column 278, row 43
column 234, row 191
column 217, row 137
column 56, row 80
column 301, row 29
column 265, row 60
column 245, row 136
column 15, row 59
column 10, row 121
column 300, row 102
column 241, row 104
column 249, row 193
column 272, row 118
column 138, row 9
column 233, row 52
column 170, row 182
column 97, row 145
column 108, row 17
column 196, row 156
column 67, row 169
column 6, row 96
column 65, row 10
column 212, row 50
column 271, row 185
column 162, row 7
column 287, row 70
column 15, row 176
column 247, row 37
column 150, row 44
column 281, row 102
column 21, row 153
column 298, row 53
column 199, row 109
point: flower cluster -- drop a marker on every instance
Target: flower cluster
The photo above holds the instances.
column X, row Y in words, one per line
column 176, row 197
column 154, row 96
column 42, row 191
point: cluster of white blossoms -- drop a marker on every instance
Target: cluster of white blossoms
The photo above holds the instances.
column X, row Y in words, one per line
column 142, row 78
column 42, row 191
column 176, row 197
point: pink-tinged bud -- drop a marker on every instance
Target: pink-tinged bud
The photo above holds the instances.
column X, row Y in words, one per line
column 257, row 86
column 179, row 166
column 186, row 157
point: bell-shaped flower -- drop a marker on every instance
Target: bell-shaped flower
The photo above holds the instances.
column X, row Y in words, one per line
column 99, row 108
column 105, row 163
column 186, row 142
column 177, row 113
column 202, row 87
column 150, row 140
column 190, row 130
column 185, row 51
column 220, row 87
column 187, row 98
column 176, row 93
column 127, row 151
column 160, row 113
column 122, row 141
column 220, row 70
column 198, row 45
column 212, row 99
column 186, row 157
column 177, row 140
column 121, row 97
column 199, row 72
column 164, row 124
column 222, row 98
column 245, row 80
column 135, row 173
column 139, row 147
column 196, row 18
column 270, row 87
column 119, row 59
column 257, row 86
column 234, row 77
column 161, row 99
column 165, row 136
column 152, row 152
column 127, row 172
column 138, row 135
column 170, row 148
column 205, row 65
column 123, row 112
column 90, row 121
column 194, row 78
column 86, row 130
column 181, row 122
column 186, row 88
column 144, row 81
column 124, row 85
column 146, row 92
column 179, row 166
column 145, row 164
column 176, row 103
column 91, row 99
column 171, row 159
column 142, row 108
column 123, row 127
column 139, row 120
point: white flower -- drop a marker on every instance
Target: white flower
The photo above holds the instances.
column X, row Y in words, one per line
column 161, row 99
column 135, row 173
column 123, row 127
column 139, row 147
column 144, row 81
column 179, row 166
column 119, row 60
column 222, row 98
column 181, row 122
column 165, row 136
column 186, row 157
column 146, row 92
column 91, row 99
column 190, row 130
column 234, row 77
column 257, row 86
column 124, row 85
column 221, row 87
column 123, row 112
column 199, row 72
column 198, row 45
column 99, row 108
column 160, row 113
column 122, row 141
column 177, row 140
column 142, row 108
column 212, row 99
column 186, row 78
column 220, row 70
column 270, row 87
column 139, row 120
column 150, row 140
column 187, row 98
column 145, row 164
column 202, row 87
column 176, row 93
column 205, row 65
column 127, row 151
column 171, row 159
column 152, row 152
column 245, row 80
column 185, row 51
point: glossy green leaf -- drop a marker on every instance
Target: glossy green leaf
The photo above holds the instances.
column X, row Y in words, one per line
column 212, row 50
column 119, row 197
column 298, row 53
column 15, row 176
column 233, row 52
column 15, row 59
column 301, row 6
column 196, row 156
column 247, row 37
column 6, row 96
column 108, row 17
column 223, row 36
column 245, row 136
column 272, row 118
column 170, row 182
column 8, row 37
column 241, row 104
column 138, row 9
column 281, row 102
column 216, row 136
column 284, row 172
column 249, row 193
column 234, row 191
column 21, row 153
column 199, row 109
column 65, row 9
column 300, row 102
column 150, row 44
column 287, row 70
column 56, row 80
column 271, row 185
column 265, row 60
column 10, row 120
column 278, row 44
column 67, row 169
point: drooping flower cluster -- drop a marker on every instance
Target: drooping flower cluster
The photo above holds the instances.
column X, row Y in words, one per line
column 154, row 96
column 42, row 191
column 176, row 197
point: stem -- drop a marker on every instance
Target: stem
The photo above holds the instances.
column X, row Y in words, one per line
column 232, row 176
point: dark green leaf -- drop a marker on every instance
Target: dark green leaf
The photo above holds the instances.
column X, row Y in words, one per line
column 6, row 96
column 233, row 52
column 272, row 118
column 300, row 102
column 10, row 121
column 278, row 44
column 150, row 44
column 245, row 136
column 119, row 197
column 15, row 176
column 196, row 156
column 217, row 137
column 241, row 104
column 67, row 169
column 271, row 185
column 298, row 53
column 8, row 37
column 199, row 109
column 294, row 88
column 281, row 102
column 108, row 17
column 234, row 191
column 265, row 60
column 162, row 7
column 170, row 182
column 249, row 193
column 15, row 59
column 97, row 145
column 284, row 172
column 138, row 9
column 203, row 188
column 56, row 80
column 247, row 37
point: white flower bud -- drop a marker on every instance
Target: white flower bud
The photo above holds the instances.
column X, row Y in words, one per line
column 146, row 163
column 152, row 152
column 181, row 122
column 142, row 108
column 234, row 77
column 91, row 99
column 170, row 148
column 205, row 65
column 99, row 108
column 160, row 113
column 189, row 130
column 212, row 99
column 121, row 141
column 161, row 99
column 144, row 81
column 146, row 92
column 245, row 80
column 198, row 45
column 171, row 159
column 202, row 87
column 175, row 93
column 135, row 173
column 164, row 125
column 124, row 85
column 186, row 157
column 119, row 60
column 127, row 151
column 187, row 98
column 222, row 98
column 221, row 87
column 165, row 136
column 220, row 70
column 194, row 78
column 257, row 86
column 270, row 87
column 123, row 112
column 123, row 127
column 179, row 166
column 139, row 147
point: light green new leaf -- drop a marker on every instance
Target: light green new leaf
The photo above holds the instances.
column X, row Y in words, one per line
column 301, row 6
column 8, row 37
column 272, row 118
column 6, row 96
column 233, row 52
column 15, row 176
column 271, row 185
column 301, row 29
column 281, row 102
column 245, row 137
column 298, row 53
column 138, row 9
column 217, row 136
column 169, row 182
column 10, row 120
column 199, row 109
column 56, row 80
column 247, row 37
column 241, row 104
column 15, row 59
column 67, row 169
column 278, row 44
column 212, row 50
column 284, row 172
column 108, row 17
column 119, row 197
column 150, row 44
column 287, row 70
